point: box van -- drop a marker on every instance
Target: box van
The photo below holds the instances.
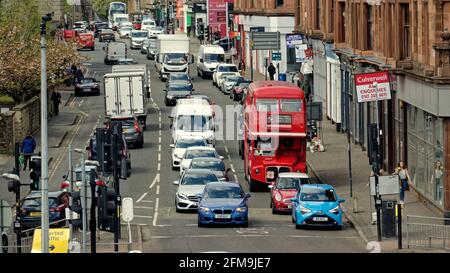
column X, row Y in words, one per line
column 194, row 120
column 209, row 57
column 114, row 52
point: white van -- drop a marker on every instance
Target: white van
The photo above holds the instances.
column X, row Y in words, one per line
column 194, row 120
column 147, row 24
column 209, row 57
column 114, row 52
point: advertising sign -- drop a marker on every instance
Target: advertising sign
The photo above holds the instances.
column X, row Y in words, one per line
column 293, row 39
column 300, row 55
column 366, row 89
column 58, row 240
column 217, row 16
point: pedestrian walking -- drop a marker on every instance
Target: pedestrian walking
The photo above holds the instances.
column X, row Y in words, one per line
column 241, row 66
column 56, row 98
column 79, row 75
column 28, row 146
column 188, row 28
column 272, row 70
column 405, row 180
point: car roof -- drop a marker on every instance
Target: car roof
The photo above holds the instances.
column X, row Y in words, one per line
column 223, row 184
column 201, row 148
column 320, row 186
column 198, row 171
column 293, row 174
column 36, row 194
column 186, row 136
column 226, row 65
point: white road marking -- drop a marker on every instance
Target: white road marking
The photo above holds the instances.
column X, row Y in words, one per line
column 159, row 157
column 229, row 158
column 232, row 168
column 156, row 212
column 226, row 149
column 157, row 189
column 147, row 201
column 236, row 178
column 143, row 216
column 144, row 207
column 154, row 181
column 159, row 148
column 81, row 102
column 159, row 167
column 142, row 197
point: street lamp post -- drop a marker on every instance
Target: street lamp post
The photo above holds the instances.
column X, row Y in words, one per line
column 17, row 223
column 376, row 167
column 44, row 138
column 83, row 196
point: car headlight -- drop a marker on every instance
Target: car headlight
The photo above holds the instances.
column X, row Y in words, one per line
column 304, row 210
column 278, row 197
column 178, row 156
column 334, row 210
column 257, row 171
column 204, row 209
column 182, row 196
column 241, row 209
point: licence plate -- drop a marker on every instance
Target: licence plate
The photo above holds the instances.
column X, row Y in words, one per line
column 126, row 130
column 35, row 214
column 87, row 89
column 222, row 216
column 320, row 219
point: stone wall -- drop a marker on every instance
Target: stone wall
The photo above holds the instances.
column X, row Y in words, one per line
column 27, row 118
column 7, row 125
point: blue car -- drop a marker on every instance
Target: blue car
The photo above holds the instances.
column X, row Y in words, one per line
column 317, row 205
column 223, row 203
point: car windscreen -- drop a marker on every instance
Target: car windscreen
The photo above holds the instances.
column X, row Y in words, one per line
column 233, row 79
column 227, row 69
column 186, row 143
column 139, row 34
column 179, row 77
column 156, row 29
column 175, row 58
column 126, row 28
column 101, row 26
column 213, row 165
column 317, row 195
column 107, row 30
column 152, row 44
column 224, row 192
column 198, row 179
column 199, row 153
column 288, row 183
column 291, row 105
column 87, row 80
column 180, row 87
column 244, row 84
column 214, row 58
column 194, row 123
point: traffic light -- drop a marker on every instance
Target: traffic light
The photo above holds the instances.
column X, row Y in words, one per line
column 375, row 154
column 35, row 174
column 107, row 209
column 103, row 149
column 75, row 206
column 206, row 31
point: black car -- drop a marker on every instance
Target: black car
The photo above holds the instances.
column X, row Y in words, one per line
column 30, row 209
column 106, row 35
column 179, row 78
column 87, row 86
column 177, row 91
column 124, row 152
column 98, row 27
column 239, row 90
column 131, row 129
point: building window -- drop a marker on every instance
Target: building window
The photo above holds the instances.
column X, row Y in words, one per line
column 279, row 3
column 405, row 37
column 331, row 16
column 425, row 31
column 342, row 26
column 317, row 22
column 369, row 30
column 426, row 153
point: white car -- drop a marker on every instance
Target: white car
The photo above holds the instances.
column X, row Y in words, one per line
column 147, row 24
column 154, row 31
column 125, row 32
column 137, row 38
column 224, row 68
column 190, row 186
column 194, row 152
column 223, row 77
column 182, row 144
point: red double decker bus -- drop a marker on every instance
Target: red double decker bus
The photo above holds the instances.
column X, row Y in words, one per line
column 274, row 132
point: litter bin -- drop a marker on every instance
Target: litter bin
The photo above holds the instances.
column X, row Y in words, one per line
column 282, row 76
column 388, row 219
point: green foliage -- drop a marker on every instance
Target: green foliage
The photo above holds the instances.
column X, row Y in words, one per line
column 101, row 6
column 21, row 12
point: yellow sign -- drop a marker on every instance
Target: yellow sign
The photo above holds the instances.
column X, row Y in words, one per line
column 58, row 240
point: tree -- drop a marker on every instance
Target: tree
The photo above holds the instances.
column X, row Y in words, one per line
column 20, row 52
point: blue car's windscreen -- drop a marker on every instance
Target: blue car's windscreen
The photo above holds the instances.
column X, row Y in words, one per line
column 223, row 192
column 317, row 195
column 198, row 179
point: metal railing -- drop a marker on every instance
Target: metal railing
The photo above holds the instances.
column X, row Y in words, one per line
column 427, row 232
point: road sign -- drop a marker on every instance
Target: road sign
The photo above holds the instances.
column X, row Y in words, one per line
column 127, row 209
column 257, row 29
column 387, row 184
column 265, row 40
column 366, row 89
column 276, row 56
column 5, row 216
column 58, row 240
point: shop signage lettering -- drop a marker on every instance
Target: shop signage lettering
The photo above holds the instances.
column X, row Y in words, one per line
column 366, row 89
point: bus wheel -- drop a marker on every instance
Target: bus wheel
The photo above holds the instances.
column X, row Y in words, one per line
column 253, row 185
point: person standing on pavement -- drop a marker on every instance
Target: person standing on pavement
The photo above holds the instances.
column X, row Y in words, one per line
column 188, row 28
column 79, row 75
column 437, row 177
column 405, row 180
column 272, row 70
column 28, row 146
column 56, row 98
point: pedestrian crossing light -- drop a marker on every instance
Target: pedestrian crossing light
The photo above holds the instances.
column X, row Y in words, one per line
column 107, row 209
column 75, row 206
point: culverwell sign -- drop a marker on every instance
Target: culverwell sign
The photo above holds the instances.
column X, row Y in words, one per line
column 365, row 86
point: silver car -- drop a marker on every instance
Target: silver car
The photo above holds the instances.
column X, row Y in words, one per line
column 137, row 38
column 190, row 187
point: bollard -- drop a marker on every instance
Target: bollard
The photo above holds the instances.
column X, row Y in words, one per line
column 355, row 204
column 399, row 225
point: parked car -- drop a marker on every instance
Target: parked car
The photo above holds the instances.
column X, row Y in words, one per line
column 131, row 129
column 30, row 209
column 98, row 27
column 284, row 188
column 195, row 152
column 125, row 31
column 229, row 82
column 317, row 205
column 177, row 91
column 190, row 187
column 223, row 203
column 137, row 38
column 224, row 68
column 215, row 165
column 179, row 78
column 238, row 90
column 106, row 35
column 87, row 86
column 182, row 144
column 137, row 25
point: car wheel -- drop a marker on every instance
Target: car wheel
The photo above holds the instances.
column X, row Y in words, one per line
column 245, row 225
column 253, row 185
column 339, row 227
column 274, row 211
column 200, row 224
column 298, row 226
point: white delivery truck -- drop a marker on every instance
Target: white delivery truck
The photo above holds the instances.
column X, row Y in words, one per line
column 209, row 57
column 125, row 94
column 115, row 51
column 173, row 54
column 135, row 68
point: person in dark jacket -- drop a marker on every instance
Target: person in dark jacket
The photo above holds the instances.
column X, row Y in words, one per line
column 79, row 75
column 56, row 98
column 28, row 146
column 272, row 70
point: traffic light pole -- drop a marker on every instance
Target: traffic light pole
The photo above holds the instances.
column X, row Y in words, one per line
column 19, row 228
column 83, row 195
column 116, row 188
column 376, row 167
column 93, row 224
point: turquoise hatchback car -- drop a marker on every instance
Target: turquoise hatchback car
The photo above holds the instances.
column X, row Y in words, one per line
column 317, row 205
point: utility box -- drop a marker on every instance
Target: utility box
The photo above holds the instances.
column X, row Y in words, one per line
column 388, row 219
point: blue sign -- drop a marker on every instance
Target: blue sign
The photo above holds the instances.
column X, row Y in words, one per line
column 294, row 39
column 276, row 56
column 257, row 29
